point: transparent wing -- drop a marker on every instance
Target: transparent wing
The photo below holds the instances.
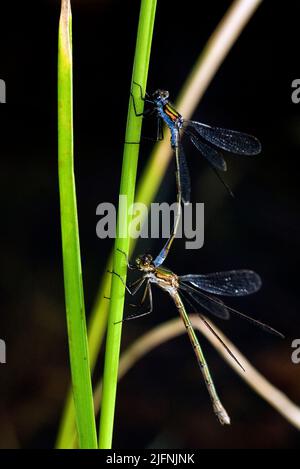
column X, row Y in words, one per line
column 185, row 295
column 219, row 309
column 214, row 306
column 184, row 175
column 230, row 283
column 228, row 140
column 211, row 154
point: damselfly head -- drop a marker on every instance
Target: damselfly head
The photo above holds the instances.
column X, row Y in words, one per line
column 160, row 96
column 143, row 261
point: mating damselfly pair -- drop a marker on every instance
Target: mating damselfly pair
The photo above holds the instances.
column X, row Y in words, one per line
column 195, row 289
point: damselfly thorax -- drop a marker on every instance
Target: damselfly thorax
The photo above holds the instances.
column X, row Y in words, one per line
column 169, row 112
column 165, row 279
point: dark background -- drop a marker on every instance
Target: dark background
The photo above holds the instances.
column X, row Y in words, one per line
column 162, row 402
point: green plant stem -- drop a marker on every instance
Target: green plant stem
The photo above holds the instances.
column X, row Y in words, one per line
column 96, row 331
column 127, row 189
column 77, row 335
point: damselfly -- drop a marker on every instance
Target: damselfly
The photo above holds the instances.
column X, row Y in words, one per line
column 207, row 139
column 197, row 290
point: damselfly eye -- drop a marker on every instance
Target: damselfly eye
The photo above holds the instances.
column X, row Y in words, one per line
column 148, row 259
column 160, row 95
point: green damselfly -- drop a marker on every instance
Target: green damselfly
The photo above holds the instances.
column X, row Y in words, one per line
column 198, row 290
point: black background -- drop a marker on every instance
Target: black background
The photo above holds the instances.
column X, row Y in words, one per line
column 162, row 402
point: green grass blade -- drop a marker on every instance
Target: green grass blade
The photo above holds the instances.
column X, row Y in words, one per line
column 127, row 188
column 78, row 347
